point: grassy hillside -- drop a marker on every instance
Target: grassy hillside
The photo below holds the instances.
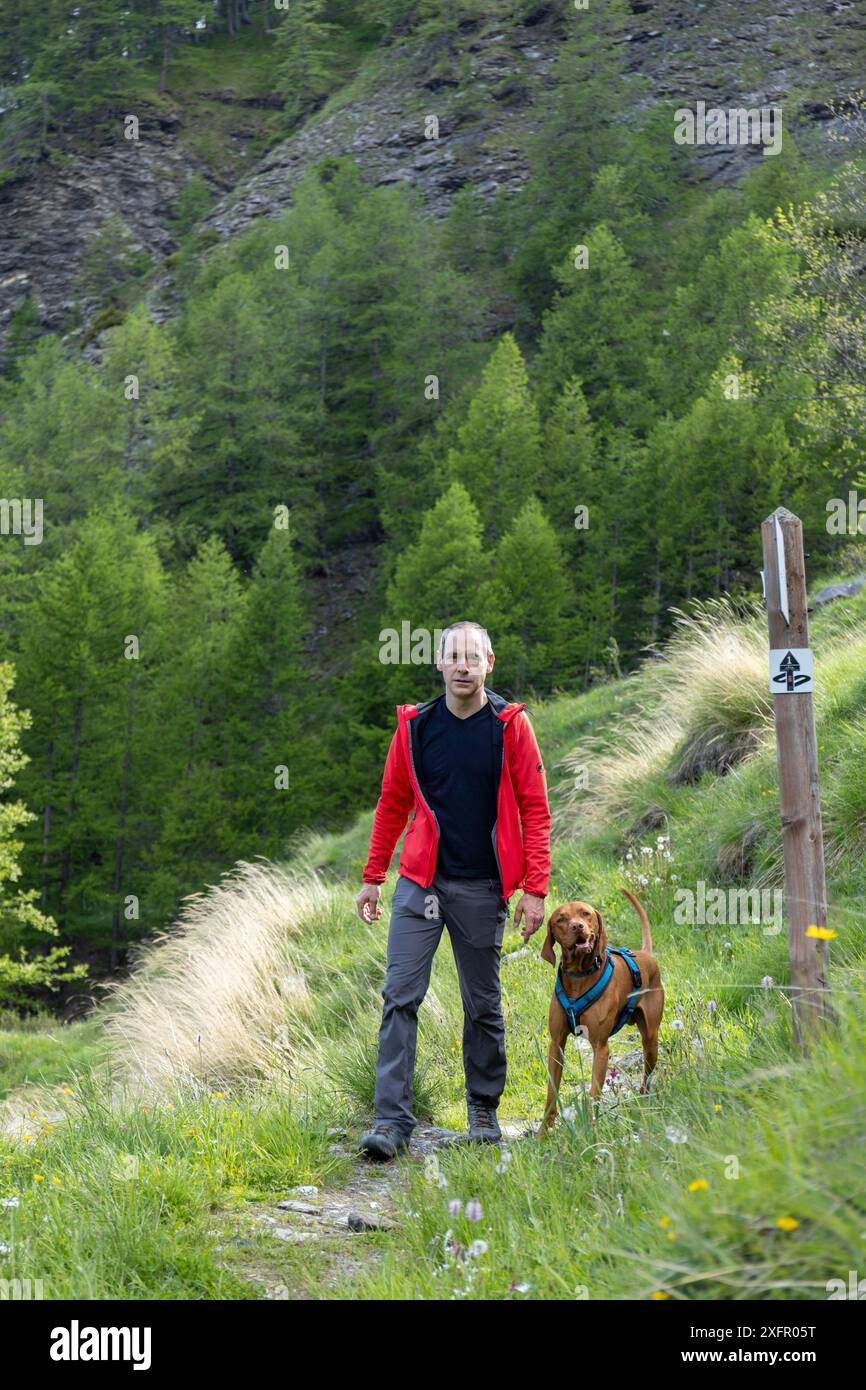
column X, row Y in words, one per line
column 238, row 1061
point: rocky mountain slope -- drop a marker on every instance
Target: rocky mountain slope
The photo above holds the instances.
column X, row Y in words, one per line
column 482, row 85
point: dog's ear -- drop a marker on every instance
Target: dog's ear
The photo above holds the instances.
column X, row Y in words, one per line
column 601, row 944
column 547, row 948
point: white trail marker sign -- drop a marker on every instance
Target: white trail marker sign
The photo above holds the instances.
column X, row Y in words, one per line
column 792, row 682
column 791, row 669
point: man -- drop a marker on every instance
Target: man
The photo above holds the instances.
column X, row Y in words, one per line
column 467, row 767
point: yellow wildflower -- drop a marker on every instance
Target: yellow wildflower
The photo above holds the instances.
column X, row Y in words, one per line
column 821, row 933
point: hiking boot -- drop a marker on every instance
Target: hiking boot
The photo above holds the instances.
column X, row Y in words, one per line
column 483, row 1124
column 384, row 1141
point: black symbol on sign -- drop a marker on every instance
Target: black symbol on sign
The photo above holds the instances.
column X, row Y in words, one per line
column 788, row 668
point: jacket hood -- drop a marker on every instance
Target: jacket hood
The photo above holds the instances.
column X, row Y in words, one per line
column 502, row 708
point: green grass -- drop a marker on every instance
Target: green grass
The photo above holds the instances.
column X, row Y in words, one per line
column 207, row 84
column 210, row 83
column 117, row 1200
column 736, row 1180
column 43, row 1051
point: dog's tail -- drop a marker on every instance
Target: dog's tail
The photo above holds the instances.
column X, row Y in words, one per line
column 647, row 941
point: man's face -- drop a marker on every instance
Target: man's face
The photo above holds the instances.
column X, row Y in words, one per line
column 463, row 663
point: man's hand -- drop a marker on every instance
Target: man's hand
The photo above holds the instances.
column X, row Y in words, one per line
column 367, row 903
column 531, row 909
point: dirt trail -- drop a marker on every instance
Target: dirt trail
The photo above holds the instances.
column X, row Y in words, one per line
column 318, row 1239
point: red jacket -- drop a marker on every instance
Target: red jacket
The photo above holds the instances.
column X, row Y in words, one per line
column 521, row 834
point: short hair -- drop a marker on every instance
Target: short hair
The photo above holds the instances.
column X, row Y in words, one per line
column 465, row 622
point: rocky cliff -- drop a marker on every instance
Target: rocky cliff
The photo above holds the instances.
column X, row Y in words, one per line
column 483, row 86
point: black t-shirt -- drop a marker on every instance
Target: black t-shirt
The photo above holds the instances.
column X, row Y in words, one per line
column 458, row 764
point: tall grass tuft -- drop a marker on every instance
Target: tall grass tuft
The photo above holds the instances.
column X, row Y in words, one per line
column 221, row 998
column 714, row 685
column 704, row 706
column 845, row 800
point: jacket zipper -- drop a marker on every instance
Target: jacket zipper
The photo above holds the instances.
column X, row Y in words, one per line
column 418, row 787
column 496, row 822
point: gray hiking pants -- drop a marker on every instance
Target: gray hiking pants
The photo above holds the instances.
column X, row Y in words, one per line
column 475, row 915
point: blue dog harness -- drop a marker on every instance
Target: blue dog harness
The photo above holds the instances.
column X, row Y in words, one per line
column 575, row 1007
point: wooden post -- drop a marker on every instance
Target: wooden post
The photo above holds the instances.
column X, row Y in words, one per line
column 797, row 758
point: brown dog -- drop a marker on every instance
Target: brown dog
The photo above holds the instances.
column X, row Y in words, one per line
column 578, row 929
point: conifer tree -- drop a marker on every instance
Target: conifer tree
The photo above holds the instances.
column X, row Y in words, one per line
column 498, row 459
column 246, row 455
column 525, row 605
column 271, row 773
column 716, row 312
column 63, row 429
column 311, row 64
column 596, row 330
column 139, row 368
column 434, row 579
column 191, row 713
column 582, row 128
column 567, row 481
column 443, row 568
column 720, row 467
column 113, row 264
column 88, row 639
column 25, row 330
